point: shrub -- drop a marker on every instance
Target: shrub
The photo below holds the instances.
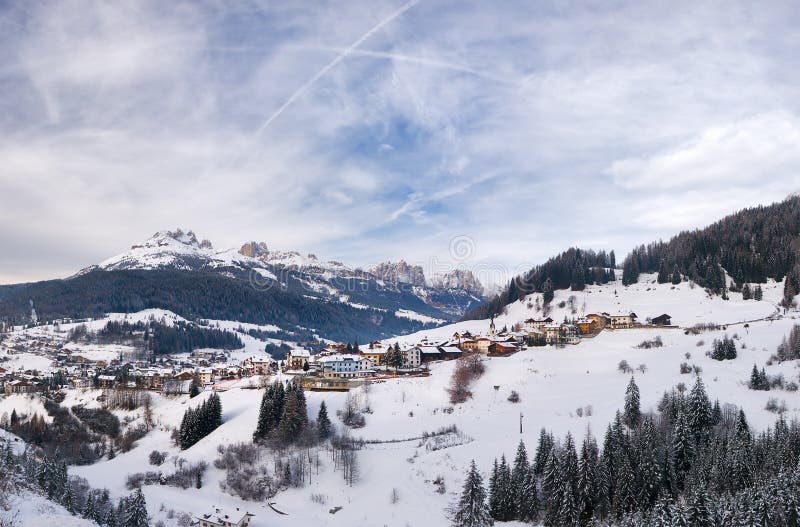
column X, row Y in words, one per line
column 157, row 458
column 775, row 407
column 624, row 367
column 724, row 349
column 468, row 368
column 128, row 440
column 513, row 396
column 98, row 420
column 685, row 368
column 653, row 343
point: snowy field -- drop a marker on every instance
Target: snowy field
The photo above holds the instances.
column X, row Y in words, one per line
column 553, row 383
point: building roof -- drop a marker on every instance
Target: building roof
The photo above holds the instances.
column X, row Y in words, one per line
column 222, row 516
column 339, row 358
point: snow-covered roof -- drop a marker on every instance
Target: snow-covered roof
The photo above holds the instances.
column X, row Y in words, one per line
column 339, row 358
column 223, row 516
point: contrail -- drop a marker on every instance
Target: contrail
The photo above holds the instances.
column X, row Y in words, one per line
column 321, row 73
column 424, row 61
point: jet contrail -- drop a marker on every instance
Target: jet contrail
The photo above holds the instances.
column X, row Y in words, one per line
column 321, row 73
column 424, row 61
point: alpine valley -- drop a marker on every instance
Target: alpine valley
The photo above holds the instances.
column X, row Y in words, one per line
column 302, row 295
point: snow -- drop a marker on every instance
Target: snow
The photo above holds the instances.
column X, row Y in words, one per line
column 33, row 510
column 552, row 382
column 24, row 404
column 413, row 315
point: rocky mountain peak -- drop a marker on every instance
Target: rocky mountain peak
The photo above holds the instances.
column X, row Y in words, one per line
column 400, row 272
column 254, row 249
column 166, row 238
column 458, row 279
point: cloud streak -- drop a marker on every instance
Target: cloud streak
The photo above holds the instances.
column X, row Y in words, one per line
column 527, row 127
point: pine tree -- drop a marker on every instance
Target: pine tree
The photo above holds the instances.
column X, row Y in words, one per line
column 90, row 511
column 136, row 511
column 663, row 274
column 747, row 293
column 633, row 413
column 471, row 509
column 270, row 411
column 323, row 422
column 518, row 477
column 542, row 452
column 528, row 501
column 294, row 419
column 588, row 482
column 699, row 408
column 676, row 275
column 494, row 491
column 552, row 488
column 682, row 449
column 68, row 499
column 505, row 498
column 758, row 293
column 698, row 513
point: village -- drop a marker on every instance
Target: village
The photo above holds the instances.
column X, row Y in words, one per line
column 337, row 367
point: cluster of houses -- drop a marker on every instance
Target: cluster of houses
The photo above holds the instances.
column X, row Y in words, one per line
column 336, row 367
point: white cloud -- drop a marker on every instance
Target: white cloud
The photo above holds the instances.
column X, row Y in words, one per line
column 510, row 124
column 760, row 149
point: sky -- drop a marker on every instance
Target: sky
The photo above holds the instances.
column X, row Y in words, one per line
column 483, row 134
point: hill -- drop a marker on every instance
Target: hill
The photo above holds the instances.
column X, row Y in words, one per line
column 749, row 247
column 301, row 294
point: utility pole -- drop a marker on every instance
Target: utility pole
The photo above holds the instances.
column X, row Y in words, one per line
column 520, row 422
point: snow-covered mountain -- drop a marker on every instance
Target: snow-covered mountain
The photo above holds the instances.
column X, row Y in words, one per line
column 299, row 293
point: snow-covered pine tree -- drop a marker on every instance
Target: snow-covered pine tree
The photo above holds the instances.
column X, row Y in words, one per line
column 698, row 513
column 528, row 499
column 543, row 449
column 89, row 510
column 68, row 499
column 494, row 491
column 518, row 477
column 136, row 511
column 682, row 449
column 552, row 488
column 633, row 413
column 324, row 426
column 471, row 509
column 699, row 409
column 506, row 498
column 663, row 273
column 647, row 462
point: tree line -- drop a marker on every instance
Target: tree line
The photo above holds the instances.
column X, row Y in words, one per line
column 198, row 422
column 751, row 245
column 572, row 269
column 48, row 476
column 690, row 463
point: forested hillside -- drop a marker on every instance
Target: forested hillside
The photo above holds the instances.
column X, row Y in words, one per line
column 199, row 295
column 572, row 269
column 751, row 245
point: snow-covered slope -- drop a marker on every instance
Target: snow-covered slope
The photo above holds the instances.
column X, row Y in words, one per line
column 388, row 286
column 570, row 389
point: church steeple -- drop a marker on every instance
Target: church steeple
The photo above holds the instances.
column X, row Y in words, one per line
column 492, row 329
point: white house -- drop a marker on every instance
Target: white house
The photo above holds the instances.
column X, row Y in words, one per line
column 345, row 366
column 222, row 518
column 412, row 357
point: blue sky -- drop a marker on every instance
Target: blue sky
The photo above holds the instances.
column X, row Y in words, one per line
column 375, row 130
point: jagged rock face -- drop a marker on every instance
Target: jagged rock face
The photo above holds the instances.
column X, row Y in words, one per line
column 399, row 272
column 458, row 279
column 254, row 249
